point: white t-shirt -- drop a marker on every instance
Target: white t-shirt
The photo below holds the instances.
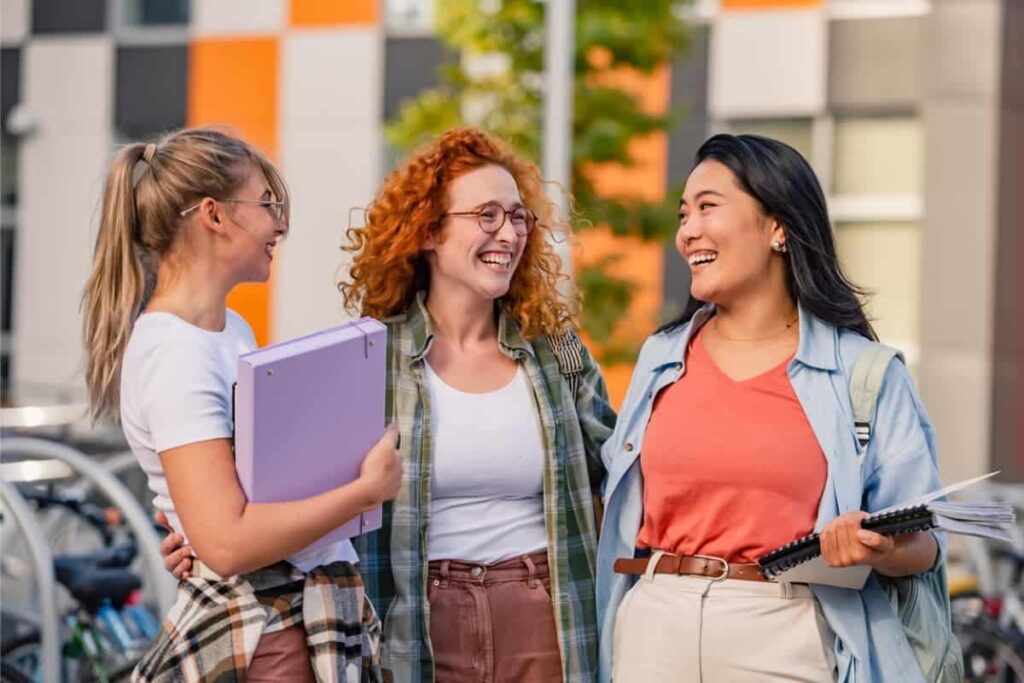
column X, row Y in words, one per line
column 176, row 387
column 487, row 502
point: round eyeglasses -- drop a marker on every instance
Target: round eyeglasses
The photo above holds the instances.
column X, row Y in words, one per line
column 492, row 216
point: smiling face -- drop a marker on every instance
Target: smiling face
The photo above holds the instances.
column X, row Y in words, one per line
column 259, row 228
column 465, row 258
column 724, row 236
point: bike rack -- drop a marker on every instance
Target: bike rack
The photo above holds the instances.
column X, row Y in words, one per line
column 100, row 476
column 49, row 626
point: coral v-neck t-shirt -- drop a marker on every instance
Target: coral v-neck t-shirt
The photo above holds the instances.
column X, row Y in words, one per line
column 731, row 468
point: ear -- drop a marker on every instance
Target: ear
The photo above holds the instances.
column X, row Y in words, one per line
column 211, row 216
column 776, row 231
column 430, row 244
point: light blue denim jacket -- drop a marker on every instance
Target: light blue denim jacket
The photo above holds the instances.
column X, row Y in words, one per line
column 899, row 464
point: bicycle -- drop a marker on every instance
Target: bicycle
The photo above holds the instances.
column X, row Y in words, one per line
column 987, row 609
column 106, row 631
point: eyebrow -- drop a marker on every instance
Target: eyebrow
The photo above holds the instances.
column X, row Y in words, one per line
column 701, row 194
column 514, row 205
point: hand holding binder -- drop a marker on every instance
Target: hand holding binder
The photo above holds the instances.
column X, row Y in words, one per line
column 800, row 561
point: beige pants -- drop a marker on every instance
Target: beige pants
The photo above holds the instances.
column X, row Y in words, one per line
column 688, row 628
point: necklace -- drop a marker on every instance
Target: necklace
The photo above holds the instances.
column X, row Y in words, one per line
column 790, row 324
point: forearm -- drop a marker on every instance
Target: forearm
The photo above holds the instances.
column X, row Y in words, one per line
column 912, row 554
column 255, row 535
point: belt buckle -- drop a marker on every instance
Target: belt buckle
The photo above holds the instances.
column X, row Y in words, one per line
column 725, row 566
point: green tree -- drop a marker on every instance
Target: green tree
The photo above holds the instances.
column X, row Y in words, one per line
column 500, row 89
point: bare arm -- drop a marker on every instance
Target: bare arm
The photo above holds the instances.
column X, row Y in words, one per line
column 233, row 536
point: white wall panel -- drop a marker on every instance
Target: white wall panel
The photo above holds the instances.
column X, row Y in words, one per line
column 331, row 149
column 67, row 88
column 768, row 63
column 221, row 17
column 13, row 20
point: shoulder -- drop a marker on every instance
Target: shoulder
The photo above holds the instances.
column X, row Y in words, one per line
column 239, row 326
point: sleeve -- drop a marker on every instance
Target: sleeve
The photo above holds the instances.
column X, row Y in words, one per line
column 596, row 416
column 185, row 397
column 637, row 384
column 901, row 460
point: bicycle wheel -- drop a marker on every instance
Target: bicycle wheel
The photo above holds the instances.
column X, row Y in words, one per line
column 990, row 655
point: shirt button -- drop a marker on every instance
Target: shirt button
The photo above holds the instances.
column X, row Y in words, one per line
column 629, row 447
column 437, row 582
column 476, row 571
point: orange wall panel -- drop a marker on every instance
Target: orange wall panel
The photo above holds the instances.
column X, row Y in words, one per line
column 640, row 262
column 234, row 82
column 333, row 12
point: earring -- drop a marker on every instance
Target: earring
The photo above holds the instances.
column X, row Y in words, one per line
column 779, row 247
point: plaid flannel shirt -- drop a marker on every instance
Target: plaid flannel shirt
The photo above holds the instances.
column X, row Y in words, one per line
column 393, row 560
column 212, row 631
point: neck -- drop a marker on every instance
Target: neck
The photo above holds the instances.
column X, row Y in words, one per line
column 197, row 294
column 759, row 315
column 461, row 318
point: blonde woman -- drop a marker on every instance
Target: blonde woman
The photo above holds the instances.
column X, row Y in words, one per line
column 209, row 211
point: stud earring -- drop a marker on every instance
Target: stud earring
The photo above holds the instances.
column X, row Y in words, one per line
column 779, row 247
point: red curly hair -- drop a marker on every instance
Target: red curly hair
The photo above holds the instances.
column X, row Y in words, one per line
column 389, row 266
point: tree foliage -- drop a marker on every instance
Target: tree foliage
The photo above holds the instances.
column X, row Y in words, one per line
column 494, row 78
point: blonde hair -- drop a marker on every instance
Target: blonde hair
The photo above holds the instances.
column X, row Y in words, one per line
column 389, row 266
column 147, row 188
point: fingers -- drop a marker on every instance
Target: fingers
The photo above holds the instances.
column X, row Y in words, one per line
column 393, row 432
column 876, row 542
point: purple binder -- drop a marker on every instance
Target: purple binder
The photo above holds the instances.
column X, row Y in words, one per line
column 306, row 412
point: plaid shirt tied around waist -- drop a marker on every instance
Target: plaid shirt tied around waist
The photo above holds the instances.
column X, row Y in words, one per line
column 213, row 628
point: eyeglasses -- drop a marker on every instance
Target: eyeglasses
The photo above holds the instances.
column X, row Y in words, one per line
column 276, row 208
column 492, row 216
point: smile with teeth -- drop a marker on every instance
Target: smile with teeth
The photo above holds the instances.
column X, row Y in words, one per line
column 492, row 258
column 701, row 258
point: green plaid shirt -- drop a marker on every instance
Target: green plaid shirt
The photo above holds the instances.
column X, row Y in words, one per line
column 393, row 560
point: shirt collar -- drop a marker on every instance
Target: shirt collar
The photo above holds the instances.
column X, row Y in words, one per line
column 510, row 339
column 817, row 347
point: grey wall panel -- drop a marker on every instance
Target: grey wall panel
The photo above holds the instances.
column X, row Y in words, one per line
column 151, row 85
column 690, row 99
column 410, row 66
column 875, row 64
column 10, row 79
column 69, row 16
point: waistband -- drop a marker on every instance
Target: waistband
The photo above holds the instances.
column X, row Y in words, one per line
column 717, row 568
column 529, row 568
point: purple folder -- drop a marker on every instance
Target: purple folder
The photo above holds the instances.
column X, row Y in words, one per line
column 306, row 412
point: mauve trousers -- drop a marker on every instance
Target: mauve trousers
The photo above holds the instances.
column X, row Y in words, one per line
column 493, row 623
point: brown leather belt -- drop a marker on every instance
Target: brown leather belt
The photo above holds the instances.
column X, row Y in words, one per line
column 696, row 565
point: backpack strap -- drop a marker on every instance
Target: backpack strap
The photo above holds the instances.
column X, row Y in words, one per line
column 865, row 385
column 568, row 351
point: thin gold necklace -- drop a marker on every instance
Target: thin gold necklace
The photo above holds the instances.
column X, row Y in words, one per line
column 718, row 331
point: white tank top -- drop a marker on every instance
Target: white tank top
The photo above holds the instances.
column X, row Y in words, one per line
column 486, row 481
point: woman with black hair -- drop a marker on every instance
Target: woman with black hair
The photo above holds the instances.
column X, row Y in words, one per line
column 737, row 436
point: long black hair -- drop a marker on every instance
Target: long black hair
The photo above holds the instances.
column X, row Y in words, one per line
column 782, row 182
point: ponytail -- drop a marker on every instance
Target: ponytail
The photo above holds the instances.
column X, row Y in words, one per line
column 115, row 287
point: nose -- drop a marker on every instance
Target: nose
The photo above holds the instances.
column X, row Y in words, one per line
column 505, row 232
column 688, row 232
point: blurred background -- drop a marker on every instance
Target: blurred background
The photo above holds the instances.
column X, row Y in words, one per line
column 910, row 111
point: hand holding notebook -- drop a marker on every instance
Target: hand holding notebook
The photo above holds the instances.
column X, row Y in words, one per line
column 801, row 562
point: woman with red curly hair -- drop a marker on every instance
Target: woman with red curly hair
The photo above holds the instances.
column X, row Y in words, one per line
column 484, row 567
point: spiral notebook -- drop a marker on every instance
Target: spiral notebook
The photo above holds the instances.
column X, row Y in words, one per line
column 800, row 561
